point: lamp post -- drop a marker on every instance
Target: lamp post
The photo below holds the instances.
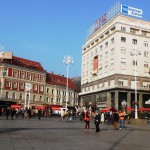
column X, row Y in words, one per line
column 135, row 53
column 67, row 60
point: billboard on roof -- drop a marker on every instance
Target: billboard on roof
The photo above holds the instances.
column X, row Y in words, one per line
column 131, row 11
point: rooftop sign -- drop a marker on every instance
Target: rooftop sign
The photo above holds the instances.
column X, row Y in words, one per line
column 131, row 11
column 112, row 12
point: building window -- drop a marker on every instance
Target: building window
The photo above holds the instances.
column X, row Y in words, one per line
column 15, row 84
column 36, row 78
column 112, row 51
column 21, row 96
column 47, row 99
column 47, row 90
column 106, row 54
column 135, row 62
column 40, row 98
column 35, row 87
column 28, row 76
column 134, row 41
column 112, row 40
column 7, row 83
column 145, row 53
column 123, row 39
column 41, row 88
column 120, row 82
column 14, row 96
column 145, row 65
column 123, row 29
column 106, row 44
column 52, row 91
column 146, row 44
column 34, row 97
column 101, row 47
column 22, row 75
column 123, row 50
column 133, row 31
column 7, row 94
column 4, row 72
column 15, row 73
column 144, row 33
column 21, row 85
column 52, row 100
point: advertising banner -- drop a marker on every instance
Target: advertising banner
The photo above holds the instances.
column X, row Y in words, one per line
column 131, row 11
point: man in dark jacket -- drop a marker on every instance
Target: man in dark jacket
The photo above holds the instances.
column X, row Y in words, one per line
column 97, row 120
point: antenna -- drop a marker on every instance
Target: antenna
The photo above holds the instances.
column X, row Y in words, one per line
column 1, row 50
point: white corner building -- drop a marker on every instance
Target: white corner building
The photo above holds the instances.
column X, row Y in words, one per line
column 116, row 60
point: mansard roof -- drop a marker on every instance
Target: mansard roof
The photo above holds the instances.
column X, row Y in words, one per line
column 25, row 63
column 60, row 81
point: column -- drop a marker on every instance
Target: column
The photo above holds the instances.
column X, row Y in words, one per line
column 129, row 99
column 140, row 100
column 116, row 99
column 109, row 99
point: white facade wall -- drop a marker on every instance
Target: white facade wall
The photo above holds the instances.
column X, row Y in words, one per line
column 116, row 58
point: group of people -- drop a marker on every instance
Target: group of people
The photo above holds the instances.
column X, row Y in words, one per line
column 117, row 116
column 27, row 113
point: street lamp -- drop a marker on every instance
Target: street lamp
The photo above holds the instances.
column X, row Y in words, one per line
column 135, row 53
column 67, row 60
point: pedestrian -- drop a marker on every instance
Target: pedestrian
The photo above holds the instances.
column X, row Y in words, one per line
column 7, row 112
column 69, row 114
column 121, row 120
column 115, row 119
column 102, row 120
column 97, row 120
column 39, row 113
column 62, row 115
column 12, row 113
column 87, row 120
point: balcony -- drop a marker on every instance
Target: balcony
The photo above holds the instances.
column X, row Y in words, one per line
column 113, row 87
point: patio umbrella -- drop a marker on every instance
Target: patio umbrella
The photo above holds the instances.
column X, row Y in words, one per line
column 105, row 110
column 130, row 109
column 112, row 109
column 147, row 102
column 144, row 109
column 108, row 109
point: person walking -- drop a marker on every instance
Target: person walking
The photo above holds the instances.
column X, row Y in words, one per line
column 7, row 112
column 97, row 120
column 62, row 115
column 39, row 113
column 87, row 120
column 115, row 119
column 121, row 120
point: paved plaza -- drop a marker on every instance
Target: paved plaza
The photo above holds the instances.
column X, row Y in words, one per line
column 51, row 134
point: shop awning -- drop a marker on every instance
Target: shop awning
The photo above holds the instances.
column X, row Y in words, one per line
column 55, row 107
column 17, row 106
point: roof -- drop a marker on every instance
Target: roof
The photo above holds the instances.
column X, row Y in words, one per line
column 59, row 80
column 25, row 63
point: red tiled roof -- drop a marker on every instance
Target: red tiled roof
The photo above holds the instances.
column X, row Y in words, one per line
column 59, row 80
column 24, row 63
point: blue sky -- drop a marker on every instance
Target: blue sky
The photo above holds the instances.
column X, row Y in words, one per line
column 47, row 30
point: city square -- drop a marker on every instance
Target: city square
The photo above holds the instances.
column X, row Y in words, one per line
column 51, row 134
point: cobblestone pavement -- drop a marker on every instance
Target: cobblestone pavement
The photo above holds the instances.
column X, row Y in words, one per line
column 51, row 134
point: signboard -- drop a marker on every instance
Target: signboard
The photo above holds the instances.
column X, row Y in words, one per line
column 28, row 86
column 131, row 11
column 5, row 55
